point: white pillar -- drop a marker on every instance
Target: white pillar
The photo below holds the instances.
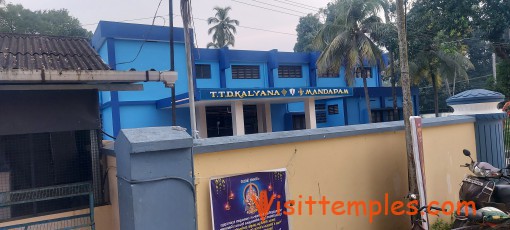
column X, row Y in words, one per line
column 267, row 118
column 237, row 118
column 201, row 121
column 311, row 122
column 260, row 118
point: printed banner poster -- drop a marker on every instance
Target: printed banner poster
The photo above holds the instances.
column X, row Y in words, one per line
column 237, row 202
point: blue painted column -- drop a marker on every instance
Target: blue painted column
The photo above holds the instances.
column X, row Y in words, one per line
column 114, row 95
column 489, row 138
column 314, row 56
column 224, row 64
column 155, row 182
column 482, row 105
column 272, row 64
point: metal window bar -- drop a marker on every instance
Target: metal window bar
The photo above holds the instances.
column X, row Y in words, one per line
column 96, row 166
column 83, row 221
column 41, row 194
column 31, row 162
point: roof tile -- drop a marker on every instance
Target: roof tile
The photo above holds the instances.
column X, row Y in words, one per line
column 31, row 52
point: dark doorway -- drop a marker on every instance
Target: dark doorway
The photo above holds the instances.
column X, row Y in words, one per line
column 251, row 124
column 298, row 122
column 219, row 120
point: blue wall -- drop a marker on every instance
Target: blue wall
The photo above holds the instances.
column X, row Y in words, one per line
column 293, row 82
column 278, row 112
column 247, row 83
column 119, row 43
column 214, row 81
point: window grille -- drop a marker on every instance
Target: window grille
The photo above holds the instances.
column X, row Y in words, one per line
column 30, row 161
column 203, row 71
column 245, row 72
column 290, row 71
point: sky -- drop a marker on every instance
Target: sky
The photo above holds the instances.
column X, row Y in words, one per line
column 279, row 17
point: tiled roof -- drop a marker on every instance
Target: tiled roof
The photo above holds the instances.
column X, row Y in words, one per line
column 475, row 96
column 34, row 52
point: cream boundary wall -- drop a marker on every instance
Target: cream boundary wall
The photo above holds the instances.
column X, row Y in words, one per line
column 354, row 163
column 352, row 168
column 443, row 156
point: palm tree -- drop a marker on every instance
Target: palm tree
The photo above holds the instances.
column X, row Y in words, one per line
column 224, row 28
column 345, row 41
column 436, row 65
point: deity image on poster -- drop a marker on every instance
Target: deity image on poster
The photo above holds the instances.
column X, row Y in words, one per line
column 234, row 201
column 251, row 190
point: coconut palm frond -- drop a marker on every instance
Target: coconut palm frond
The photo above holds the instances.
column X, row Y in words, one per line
column 224, row 28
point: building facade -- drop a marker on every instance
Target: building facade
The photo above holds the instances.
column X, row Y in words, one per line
column 236, row 91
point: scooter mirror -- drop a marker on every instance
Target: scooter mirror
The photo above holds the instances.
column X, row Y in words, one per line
column 466, row 153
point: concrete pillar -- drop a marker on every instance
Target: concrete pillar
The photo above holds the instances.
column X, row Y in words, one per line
column 155, row 179
column 201, row 121
column 482, row 104
column 237, row 118
column 260, row 118
column 267, row 118
column 311, row 121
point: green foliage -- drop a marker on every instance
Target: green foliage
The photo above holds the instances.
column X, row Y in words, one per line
column 307, row 29
column 16, row 19
column 503, row 78
column 345, row 41
column 441, row 225
column 493, row 20
column 224, row 28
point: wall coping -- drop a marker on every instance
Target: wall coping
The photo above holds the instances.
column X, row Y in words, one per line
column 218, row 144
column 153, row 139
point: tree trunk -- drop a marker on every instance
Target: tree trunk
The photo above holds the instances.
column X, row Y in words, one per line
column 406, row 92
column 436, row 95
column 396, row 116
column 454, row 80
column 447, row 85
column 367, row 96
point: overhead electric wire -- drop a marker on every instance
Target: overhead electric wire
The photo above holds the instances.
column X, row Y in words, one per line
column 202, row 19
column 295, row 5
column 301, row 4
column 485, row 76
column 254, row 28
column 145, row 36
column 280, row 7
column 267, row 8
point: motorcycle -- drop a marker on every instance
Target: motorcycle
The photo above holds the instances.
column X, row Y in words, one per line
column 489, row 189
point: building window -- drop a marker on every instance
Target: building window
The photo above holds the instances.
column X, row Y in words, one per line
column 330, row 74
column 31, row 161
column 333, row 109
column 320, row 113
column 320, row 106
column 321, row 117
column 245, row 72
column 203, row 71
column 385, row 115
column 290, row 71
column 366, row 70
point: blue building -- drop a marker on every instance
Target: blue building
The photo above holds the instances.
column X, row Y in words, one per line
column 236, row 91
